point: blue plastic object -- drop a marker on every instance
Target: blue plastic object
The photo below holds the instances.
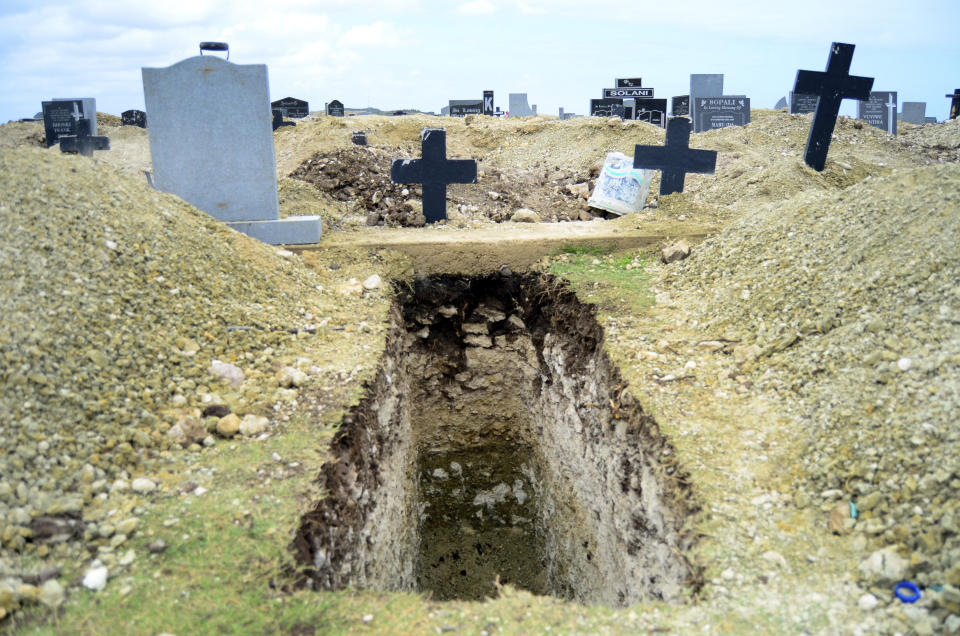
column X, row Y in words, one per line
column 913, row 592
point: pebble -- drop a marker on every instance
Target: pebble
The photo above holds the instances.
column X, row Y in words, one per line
column 884, row 567
column 228, row 425
column 95, row 578
column 143, row 486
column 230, row 372
column 373, row 282
column 525, row 215
column 52, row 594
column 157, row 547
column 867, row 602
column 253, row 425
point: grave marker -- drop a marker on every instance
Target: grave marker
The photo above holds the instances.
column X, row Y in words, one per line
column 464, row 107
column 955, row 103
column 82, row 142
column 781, row 103
column 801, row 104
column 359, row 137
column 606, row 108
column 720, row 112
column 628, row 82
column 133, row 118
column 291, row 107
column 833, row 86
column 60, row 118
column 434, row 171
column 680, row 105
column 88, row 109
column 519, row 106
column 278, row 119
column 704, row 85
column 914, row 112
column 609, row 93
column 212, row 145
column 488, row 103
column 880, row 110
column 675, row 158
column 652, row 111
column 335, row 109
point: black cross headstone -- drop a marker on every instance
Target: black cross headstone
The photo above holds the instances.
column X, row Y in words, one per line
column 955, row 104
column 675, row 158
column 832, row 86
column 434, row 171
column 278, row 119
column 83, row 143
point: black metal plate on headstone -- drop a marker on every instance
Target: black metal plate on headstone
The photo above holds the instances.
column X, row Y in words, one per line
column 880, row 111
column 720, row 112
column 291, row 107
column 675, row 158
column 606, row 107
column 133, row 118
column 60, row 118
column 801, row 104
column 434, row 171
column 628, row 82
column 833, row 86
column 464, row 107
column 335, row 109
column 620, row 93
column 488, row 102
column 652, row 111
column 680, row 105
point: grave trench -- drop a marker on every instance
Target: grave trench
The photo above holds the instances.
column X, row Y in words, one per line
column 497, row 442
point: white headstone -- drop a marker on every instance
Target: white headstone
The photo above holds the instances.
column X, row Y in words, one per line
column 211, row 142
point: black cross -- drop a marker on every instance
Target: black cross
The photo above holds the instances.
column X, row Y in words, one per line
column 434, row 171
column 955, row 104
column 675, row 158
column 832, row 87
column 83, row 143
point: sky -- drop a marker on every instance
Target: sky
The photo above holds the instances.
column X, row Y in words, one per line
column 395, row 54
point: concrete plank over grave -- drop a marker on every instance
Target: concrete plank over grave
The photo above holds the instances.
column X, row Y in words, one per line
column 704, row 85
column 212, row 145
column 88, row 109
column 880, row 110
column 519, row 106
column 914, row 112
column 802, row 103
column 720, row 112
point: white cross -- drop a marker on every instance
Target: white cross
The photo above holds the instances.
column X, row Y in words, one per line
column 76, row 112
column 891, row 114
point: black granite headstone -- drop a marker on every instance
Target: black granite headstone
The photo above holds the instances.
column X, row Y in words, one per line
column 291, row 107
column 880, row 110
column 133, row 118
column 802, row 104
column 82, row 142
column 833, row 86
column 652, row 111
column 720, row 112
column 621, row 93
column 434, row 171
column 606, row 108
column 464, row 107
column 278, row 118
column 675, row 158
column 60, row 118
column 955, row 104
column 628, row 82
column 488, row 102
column 359, row 137
column 335, row 109
column 680, row 105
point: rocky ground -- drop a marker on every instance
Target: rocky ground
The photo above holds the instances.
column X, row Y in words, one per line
column 806, row 359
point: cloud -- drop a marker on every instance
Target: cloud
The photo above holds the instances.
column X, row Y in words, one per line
column 477, row 7
column 378, row 34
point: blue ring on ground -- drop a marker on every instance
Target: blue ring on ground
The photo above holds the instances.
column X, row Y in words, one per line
column 907, row 585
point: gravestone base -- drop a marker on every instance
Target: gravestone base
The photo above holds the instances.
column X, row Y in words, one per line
column 299, row 230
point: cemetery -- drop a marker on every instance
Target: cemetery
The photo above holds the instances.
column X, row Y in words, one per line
column 397, row 374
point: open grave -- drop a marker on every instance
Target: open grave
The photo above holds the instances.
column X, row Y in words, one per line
column 497, row 444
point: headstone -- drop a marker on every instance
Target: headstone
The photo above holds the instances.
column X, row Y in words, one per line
column 606, row 108
column 60, row 118
column 359, row 137
column 954, row 103
column 335, row 109
column 291, row 107
column 278, row 119
column 434, row 171
column 519, row 106
column 464, row 107
column 211, row 145
column 675, row 158
column 930, row 120
column 488, row 102
column 801, row 104
column 82, row 142
column 781, row 103
column 680, row 105
column 720, row 112
column 880, row 110
column 629, row 111
column 833, row 86
column 914, row 112
column 561, row 113
column 445, row 111
column 653, row 111
column 704, row 85
column 133, row 118
column 628, row 82
column 621, row 188
column 88, row 109
column 609, row 93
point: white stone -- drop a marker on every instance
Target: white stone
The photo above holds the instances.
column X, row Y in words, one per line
column 253, row 425
column 884, row 566
column 904, row 364
column 95, row 579
column 143, row 485
column 229, row 372
column 373, row 282
column 867, row 602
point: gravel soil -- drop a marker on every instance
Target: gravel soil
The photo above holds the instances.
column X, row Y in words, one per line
column 805, row 360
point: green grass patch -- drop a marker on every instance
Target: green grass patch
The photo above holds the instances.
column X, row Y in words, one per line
column 612, row 280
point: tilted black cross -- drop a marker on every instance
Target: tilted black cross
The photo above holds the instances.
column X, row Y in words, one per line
column 955, row 104
column 83, row 142
column 832, row 87
column 675, row 158
column 434, row 171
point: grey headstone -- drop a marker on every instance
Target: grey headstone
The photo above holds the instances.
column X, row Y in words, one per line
column 914, row 112
column 212, row 145
column 880, row 110
column 704, row 85
column 781, row 103
column 930, row 120
column 87, row 111
column 801, row 103
column 720, row 112
column 519, row 107
column 464, row 107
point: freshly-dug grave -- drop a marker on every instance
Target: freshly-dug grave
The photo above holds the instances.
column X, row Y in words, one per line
column 497, row 441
